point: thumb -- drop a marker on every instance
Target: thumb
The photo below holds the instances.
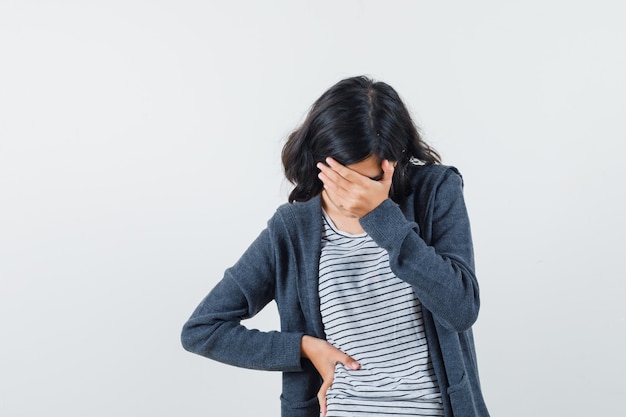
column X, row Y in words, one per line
column 388, row 170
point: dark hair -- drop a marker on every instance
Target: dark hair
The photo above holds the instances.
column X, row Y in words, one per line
column 355, row 118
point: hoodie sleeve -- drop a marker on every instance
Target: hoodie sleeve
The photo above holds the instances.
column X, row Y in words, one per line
column 214, row 329
column 441, row 273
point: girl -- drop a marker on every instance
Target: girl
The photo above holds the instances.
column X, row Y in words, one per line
column 371, row 267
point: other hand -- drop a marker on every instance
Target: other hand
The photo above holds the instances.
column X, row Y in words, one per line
column 325, row 357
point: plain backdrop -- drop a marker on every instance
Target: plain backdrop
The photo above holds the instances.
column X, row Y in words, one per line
column 140, row 155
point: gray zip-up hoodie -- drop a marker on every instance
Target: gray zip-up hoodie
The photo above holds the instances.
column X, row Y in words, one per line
column 430, row 246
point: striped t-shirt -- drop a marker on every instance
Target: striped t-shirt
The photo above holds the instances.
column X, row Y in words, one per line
column 376, row 318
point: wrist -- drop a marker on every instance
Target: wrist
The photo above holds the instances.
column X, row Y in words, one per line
column 305, row 344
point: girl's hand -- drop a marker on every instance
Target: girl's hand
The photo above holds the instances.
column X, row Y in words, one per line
column 325, row 357
column 354, row 194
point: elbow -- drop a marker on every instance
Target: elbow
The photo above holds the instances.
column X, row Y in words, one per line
column 194, row 338
column 188, row 340
column 466, row 320
column 467, row 303
column 458, row 323
column 201, row 336
column 462, row 319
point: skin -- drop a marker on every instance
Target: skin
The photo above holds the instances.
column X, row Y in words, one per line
column 350, row 192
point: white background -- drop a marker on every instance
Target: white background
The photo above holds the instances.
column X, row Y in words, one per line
column 139, row 156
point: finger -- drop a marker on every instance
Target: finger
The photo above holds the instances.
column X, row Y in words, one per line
column 329, row 185
column 321, row 397
column 332, row 181
column 323, row 408
column 343, row 171
column 328, row 176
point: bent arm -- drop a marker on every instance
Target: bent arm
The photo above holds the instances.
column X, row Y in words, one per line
column 442, row 273
column 214, row 329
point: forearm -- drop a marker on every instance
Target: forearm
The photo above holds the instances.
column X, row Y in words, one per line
column 442, row 275
column 232, row 343
column 215, row 331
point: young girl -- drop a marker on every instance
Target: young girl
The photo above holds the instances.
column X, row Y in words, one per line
column 371, row 267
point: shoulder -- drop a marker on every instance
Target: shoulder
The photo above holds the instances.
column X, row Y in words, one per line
column 428, row 180
column 299, row 208
column 297, row 216
column 432, row 172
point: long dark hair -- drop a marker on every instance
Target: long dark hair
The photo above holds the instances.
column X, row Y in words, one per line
column 355, row 118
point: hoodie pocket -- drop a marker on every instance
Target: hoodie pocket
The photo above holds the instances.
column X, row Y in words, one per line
column 299, row 405
column 461, row 398
column 459, row 385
